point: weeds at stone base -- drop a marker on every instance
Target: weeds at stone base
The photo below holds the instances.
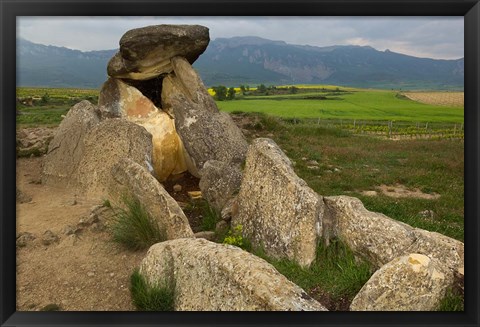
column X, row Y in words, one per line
column 452, row 302
column 134, row 228
column 150, row 298
column 335, row 272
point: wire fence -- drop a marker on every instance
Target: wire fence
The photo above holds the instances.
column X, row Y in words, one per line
column 388, row 128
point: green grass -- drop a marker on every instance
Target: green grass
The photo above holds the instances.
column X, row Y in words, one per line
column 452, row 302
column 334, row 271
column 150, row 298
column 360, row 104
column 349, row 164
column 134, row 228
column 210, row 217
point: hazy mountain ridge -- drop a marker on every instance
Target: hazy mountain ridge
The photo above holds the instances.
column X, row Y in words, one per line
column 252, row 60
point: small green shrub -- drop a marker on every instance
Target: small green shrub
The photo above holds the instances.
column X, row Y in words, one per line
column 106, row 203
column 235, row 237
column 151, row 298
column 134, row 228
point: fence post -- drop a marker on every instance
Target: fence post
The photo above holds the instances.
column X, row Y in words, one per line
column 318, row 121
column 390, row 129
column 354, row 122
column 455, row 130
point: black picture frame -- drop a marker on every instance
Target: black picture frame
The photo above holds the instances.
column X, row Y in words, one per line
column 10, row 9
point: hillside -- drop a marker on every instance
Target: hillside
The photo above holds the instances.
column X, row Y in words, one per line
column 253, row 60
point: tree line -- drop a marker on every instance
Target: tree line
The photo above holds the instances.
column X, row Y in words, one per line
column 223, row 93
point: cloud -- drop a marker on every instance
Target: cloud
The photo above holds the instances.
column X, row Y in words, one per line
column 435, row 37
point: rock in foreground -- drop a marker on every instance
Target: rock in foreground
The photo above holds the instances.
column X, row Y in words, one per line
column 216, row 277
column 409, row 283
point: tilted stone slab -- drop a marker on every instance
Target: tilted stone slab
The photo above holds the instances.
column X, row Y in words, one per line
column 145, row 52
column 118, row 99
column 217, row 277
column 206, row 133
column 219, row 182
column 67, row 146
column 443, row 248
column 276, row 208
column 104, row 145
column 413, row 282
column 372, row 236
column 132, row 179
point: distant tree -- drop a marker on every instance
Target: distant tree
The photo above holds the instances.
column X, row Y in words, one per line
column 220, row 92
column 293, row 89
column 45, row 98
column 242, row 88
column 231, row 93
column 261, row 88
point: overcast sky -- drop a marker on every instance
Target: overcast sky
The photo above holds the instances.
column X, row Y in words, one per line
column 432, row 37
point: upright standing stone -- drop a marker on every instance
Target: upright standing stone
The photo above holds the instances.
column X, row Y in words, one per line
column 118, row 99
column 276, row 209
column 206, row 133
column 105, row 144
column 67, row 146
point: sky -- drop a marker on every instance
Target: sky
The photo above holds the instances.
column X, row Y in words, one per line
column 428, row 37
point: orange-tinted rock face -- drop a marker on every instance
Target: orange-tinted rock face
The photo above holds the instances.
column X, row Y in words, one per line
column 118, row 99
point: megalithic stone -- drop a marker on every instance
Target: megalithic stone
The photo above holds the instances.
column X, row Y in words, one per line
column 206, row 133
column 145, row 52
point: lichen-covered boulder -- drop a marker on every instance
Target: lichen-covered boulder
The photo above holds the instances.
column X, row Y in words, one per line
column 66, row 149
column 145, row 52
column 443, row 248
column 219, row 182
column 207, row 276
column 119, row 99
column 276, row 209
column 372, row 236
column 206, row 133
column 413, row 282
column 132, row 179
column 105, row 144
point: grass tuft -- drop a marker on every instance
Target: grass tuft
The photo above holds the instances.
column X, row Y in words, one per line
column 452, row 302
column 335, row 271
column 134, row 228
column 150, row 298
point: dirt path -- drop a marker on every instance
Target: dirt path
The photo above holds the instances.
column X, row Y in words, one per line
column 80, row 271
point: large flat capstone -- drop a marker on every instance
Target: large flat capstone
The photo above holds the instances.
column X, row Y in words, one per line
column 207, row 276
column 276, row 209
column 145, row 52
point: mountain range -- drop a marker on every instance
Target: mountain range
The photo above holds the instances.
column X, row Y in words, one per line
column 252, row 61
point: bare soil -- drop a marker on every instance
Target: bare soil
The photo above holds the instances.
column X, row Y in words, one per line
column 401, row 191
column 83, row 271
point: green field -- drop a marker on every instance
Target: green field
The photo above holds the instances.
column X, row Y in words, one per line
column 358, row 104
